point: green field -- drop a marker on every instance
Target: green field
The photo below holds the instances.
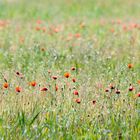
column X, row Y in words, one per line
column 70, row 70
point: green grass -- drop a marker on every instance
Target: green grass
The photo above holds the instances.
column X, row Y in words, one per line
column 98, row 38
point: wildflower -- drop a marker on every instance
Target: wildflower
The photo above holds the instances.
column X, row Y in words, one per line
column 56, row 30
column 54, row 77
column 56, row 88
column 138, row 81
column 94, row 102
column 130, row 66
column 33, row 83
column 6, row 85
column 49, row 71
column 118, row 91
column 112, row 30
column 75, row 92
column 37, row 28
column 73, row 80
column 73, row 68
column 67, row 75
column 138, row 94
column 112, row 86
column 19, row 74
column 18, row 89
column 42, row 49
column 39, row 22
column 77, row 35
column 78, row 101
column 44, row 89
column 107, row 90
column 44, row 29
column 131, row 88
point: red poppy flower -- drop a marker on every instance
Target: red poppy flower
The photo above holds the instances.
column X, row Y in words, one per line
column 73, row 80
column 44, row 29
column 18, row 89
column 54, row 77
column 78, row 101
column 56, row 30
column 56, row 88
column 77, row 35
column 19, row 74
column 107, row 90
column 6, row 85
column 39, row 21
column 67, row 75
column 118, row 91
column 112, row 30
column 33, row 83
column 42, row 49
column 37, row 28
column 75, row 92
column 44, row 89
column 138, row 95
column 131, row 88
column 130, row 66
column 112, row 86
column 73, row 68
column 94, row 102
column 49, row 71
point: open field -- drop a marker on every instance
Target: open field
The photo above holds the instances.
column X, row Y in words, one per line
column 70, row 70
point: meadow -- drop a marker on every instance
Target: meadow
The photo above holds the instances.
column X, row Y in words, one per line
column 69, row 70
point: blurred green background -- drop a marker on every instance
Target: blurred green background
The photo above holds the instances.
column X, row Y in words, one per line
column 62, row 9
